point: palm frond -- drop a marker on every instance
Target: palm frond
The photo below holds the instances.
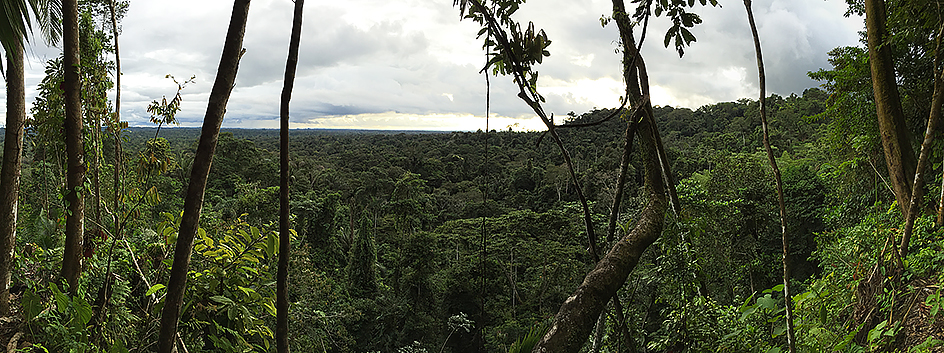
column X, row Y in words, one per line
column 14, row 22
column 48, row 14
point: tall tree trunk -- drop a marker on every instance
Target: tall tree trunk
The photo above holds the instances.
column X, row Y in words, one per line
column 934, row 120
column 281, row 324
column 75, row 151
column 896, row 141
column 940, row 204
column 10, row 171
column 788, row 302
column 193, row 203
column 116, row 124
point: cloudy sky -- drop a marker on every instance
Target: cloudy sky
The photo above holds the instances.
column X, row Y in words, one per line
column 412, row 64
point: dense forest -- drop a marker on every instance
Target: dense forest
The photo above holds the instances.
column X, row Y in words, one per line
column 485, row 241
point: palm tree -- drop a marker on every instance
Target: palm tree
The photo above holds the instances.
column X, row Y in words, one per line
column 15, row 23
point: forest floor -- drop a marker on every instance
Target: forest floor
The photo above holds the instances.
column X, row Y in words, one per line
column 12, row 328
column 919, row 325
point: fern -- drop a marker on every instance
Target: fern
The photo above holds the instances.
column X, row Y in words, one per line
column 526, row 344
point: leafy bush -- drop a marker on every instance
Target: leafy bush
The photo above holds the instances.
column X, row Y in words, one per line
column 231, row 287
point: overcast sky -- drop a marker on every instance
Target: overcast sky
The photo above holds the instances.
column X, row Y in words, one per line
column 412, row 64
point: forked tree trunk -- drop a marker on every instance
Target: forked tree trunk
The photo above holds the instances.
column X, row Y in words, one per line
column 75, row 151
column 788, row 298
column 10, row 171
column 281, row 323
column 576, row 317
column 899, row 155
column 574, row 321
column 193, row 204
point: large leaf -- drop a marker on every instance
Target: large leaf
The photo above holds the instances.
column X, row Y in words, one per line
column 83, row 311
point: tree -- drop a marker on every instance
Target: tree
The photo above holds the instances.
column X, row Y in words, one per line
column 361, row 268
column 788, row 302
column 934, row 120
column 13, row 30
column 10, row 172
column 75, row 150
column 193, row 204
column 515, row 56
column 14, row 25
column 896, row 141
column 281, row 326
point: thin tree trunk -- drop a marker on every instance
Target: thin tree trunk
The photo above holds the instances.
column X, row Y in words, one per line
column 116, row 124
column 788, row 299
column 934, row 119
column 899, row 154
column 529, row 95
column 598, row 331
column 75, row 151
column 10, row 171
column 114, row 31
column 940, row 205
column 193, row 204
column 621, row 179
column 281, row 325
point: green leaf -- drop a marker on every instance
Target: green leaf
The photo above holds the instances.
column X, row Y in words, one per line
column 222, row 300
column 270, row 308
column 876, row 332
column 687, row 35
column 272, row 244
column 62, row 300
column 153, row 289
column 668, row 36
column 83, row 311
column 32, row 304
column 118, row 347
column 767, row 302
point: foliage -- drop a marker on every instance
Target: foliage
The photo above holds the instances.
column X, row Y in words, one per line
column 64, row 322
column 165, row 112
column 526, row 343
column 399, row 249
column 231, row 289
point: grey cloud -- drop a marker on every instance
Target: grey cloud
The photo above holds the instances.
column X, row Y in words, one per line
column 402, row 62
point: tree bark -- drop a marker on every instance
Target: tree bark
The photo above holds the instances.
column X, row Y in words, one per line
column 281, row 325
column 576, row 317
column 75, row 150
column 116, row 125
column 934, row 120
column 896, row 142
column 10, row 171
column 762, row 78
column 193, row 203
column 574, row 321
